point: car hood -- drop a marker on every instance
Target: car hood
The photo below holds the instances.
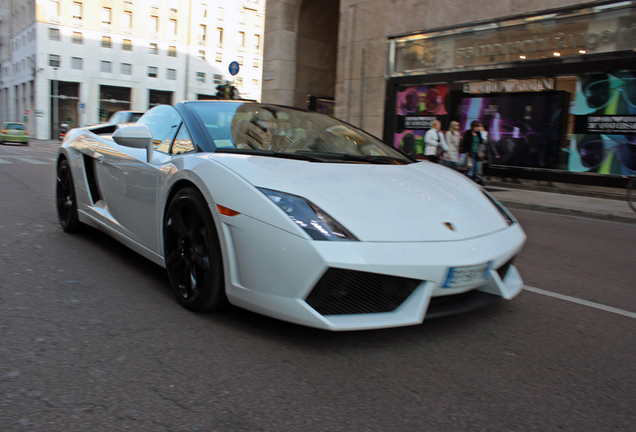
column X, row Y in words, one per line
column 382, row 203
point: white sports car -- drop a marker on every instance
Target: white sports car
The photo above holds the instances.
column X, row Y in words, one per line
column 291, row 214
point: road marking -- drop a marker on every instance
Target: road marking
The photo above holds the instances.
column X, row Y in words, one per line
column 581, row 302
column 31, row 160
column 4, row 161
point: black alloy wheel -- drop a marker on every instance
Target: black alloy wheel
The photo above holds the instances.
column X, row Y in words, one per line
column 192, row 253
column 65, row 198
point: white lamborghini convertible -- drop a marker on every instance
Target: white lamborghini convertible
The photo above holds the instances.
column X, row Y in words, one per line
column 291, row 214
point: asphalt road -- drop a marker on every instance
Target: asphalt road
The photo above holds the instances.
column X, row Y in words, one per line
column 92, row 339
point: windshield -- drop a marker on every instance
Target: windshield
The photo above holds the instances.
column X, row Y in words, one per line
column 134, row 117
column 275, row 130
column 15, row 126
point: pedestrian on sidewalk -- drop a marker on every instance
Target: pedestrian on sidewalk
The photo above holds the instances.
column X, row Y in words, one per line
column 435, row 142
column 470, row 146
column 453, row 140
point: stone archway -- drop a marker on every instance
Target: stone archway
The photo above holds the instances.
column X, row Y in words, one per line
column 300, row 50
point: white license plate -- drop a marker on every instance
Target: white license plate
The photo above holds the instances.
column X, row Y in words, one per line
column 463, row 276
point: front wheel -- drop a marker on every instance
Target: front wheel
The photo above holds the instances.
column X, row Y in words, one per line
column 65, row 198
column 631, row 194
column 192, row 253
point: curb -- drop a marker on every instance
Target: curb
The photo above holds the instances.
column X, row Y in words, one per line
column 569, row 212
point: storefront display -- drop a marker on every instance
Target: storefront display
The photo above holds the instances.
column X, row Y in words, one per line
column 556, row 91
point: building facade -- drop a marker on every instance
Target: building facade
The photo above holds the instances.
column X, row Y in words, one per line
column 78, row 62
column 552, row 81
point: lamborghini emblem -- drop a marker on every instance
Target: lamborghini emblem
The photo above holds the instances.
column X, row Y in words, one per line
column 449, row 226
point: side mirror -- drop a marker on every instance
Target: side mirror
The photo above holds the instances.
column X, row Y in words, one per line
column 138, row 136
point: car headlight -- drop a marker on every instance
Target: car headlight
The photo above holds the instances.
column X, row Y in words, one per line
column 510, row 219
column 318, row 224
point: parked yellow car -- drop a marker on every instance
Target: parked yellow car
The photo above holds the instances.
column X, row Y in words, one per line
column 14, row 132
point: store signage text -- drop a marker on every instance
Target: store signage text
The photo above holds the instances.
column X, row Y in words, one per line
column 509, row 86
column 559, row 41
column 624, row 125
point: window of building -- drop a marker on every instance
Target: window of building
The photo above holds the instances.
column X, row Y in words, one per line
column 242, row 18
column 106, row 15
column 76, row 63
column 258, row 21
column 200, row 77
column 202, row 34
column 128, row 1
column 126, row 21
column 105, row 66
column 201, row 54
column 254, row 83
column 54, row 60
column 78, row 38
column 204, row 10
column 257, row 42
column 126, row 45
column 220, row 15
column 152, row 71
column 106, row 42
column 241, row 39
column 256, row 63
column 172, row 74
column 153, row 25
column 239, row 81
column 172, row 28
column 126, row 69
column 219, row 37
column 76, row 11
column 217, row 79
column 172, row 51
column 154, row 4
column 173, row 5
column 153, row 48
column 54, row 11
column 239, row 60
column 54, row 34
column 218, row 57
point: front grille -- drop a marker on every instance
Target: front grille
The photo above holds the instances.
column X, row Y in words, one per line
column 503, row 270
column 344, row 292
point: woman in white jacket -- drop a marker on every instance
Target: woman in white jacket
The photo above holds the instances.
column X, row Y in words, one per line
column 434, row 139
column 453, row 139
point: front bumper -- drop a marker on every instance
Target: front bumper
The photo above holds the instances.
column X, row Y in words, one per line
column 272, row 272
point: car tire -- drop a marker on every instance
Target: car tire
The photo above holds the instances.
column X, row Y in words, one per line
column 192, row 253
column 66, row 202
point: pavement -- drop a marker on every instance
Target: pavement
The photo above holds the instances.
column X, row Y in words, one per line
column 566, row 199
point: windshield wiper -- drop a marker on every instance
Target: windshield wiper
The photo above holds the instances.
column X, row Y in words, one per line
column 386, row 160
column 271, row 153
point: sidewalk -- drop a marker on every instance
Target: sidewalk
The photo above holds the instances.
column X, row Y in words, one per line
column 591, row 202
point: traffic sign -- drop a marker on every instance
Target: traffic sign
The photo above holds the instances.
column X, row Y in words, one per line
column 234, row 68
column 27, row 112
column 82, row 105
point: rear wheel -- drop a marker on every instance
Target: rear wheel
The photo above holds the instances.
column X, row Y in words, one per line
column 65, row 198
column 192, row 252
